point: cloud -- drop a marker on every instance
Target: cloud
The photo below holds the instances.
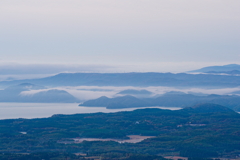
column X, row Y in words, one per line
column 92, row 92
column 32, row 92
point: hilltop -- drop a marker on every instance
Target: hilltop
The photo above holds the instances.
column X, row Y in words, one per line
column 27, row 92
column 208, row 108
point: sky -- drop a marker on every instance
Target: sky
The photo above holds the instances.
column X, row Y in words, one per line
column 119, row 35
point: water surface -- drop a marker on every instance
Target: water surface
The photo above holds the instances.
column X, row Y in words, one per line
column 41, row 110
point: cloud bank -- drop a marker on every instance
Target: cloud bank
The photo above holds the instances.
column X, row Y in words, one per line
column 92, row 92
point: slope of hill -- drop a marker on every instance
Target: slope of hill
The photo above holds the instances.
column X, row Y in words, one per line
column 14, row 94
column 225, row 68
column 233, row 72
column 208, row 108
column 50, row 96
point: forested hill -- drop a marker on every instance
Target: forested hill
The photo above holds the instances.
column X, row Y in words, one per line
column 133, row 79
column 14, row 94
column 205, row 130
column 167, row 100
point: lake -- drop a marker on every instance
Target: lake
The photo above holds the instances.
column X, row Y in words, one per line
column 41, row 110
column 132, row 139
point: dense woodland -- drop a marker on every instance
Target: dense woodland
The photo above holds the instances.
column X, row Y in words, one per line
column 202, row 131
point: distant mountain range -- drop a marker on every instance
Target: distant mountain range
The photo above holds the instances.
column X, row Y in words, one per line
column 132, row 79
column 167, row 100
column 118, row 102
column 219, row 69
column 136, row 93
column 233, row 72
column 15, row 94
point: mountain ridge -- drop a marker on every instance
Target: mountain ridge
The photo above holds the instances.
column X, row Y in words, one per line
column 171, row 99
column 132, row 79
column 224, row 68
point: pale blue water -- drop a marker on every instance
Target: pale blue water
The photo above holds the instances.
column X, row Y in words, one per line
column 41, row 110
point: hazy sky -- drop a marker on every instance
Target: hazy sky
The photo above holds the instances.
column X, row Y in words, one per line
column 137, row 35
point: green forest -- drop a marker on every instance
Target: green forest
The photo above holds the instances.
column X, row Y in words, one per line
column 203, row 131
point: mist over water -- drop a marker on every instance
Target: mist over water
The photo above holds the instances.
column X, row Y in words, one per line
column 84, row 93
column 42, row 110
column 92, row 92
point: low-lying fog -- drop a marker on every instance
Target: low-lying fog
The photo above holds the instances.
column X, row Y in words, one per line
column 92, row 92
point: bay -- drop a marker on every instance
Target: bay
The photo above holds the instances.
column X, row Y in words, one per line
column 42, row 110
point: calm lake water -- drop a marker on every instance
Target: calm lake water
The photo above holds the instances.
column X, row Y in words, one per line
column 41, row 110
